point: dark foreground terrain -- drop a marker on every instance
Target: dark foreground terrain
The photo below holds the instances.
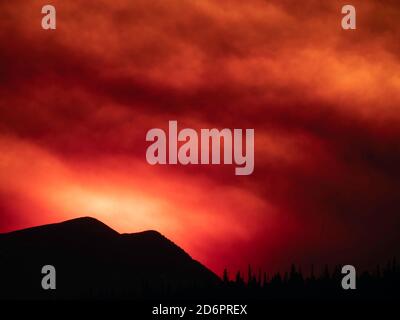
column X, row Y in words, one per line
column 92, row 261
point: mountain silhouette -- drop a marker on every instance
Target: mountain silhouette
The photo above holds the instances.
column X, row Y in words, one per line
column 94, row 261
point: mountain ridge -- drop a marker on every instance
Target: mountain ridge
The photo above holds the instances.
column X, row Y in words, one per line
column 92, row 258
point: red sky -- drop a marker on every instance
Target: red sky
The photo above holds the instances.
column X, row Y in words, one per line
column 76, row 104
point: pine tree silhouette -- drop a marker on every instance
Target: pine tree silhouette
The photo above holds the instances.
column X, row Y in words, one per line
column 225, row 277
column 380, row 283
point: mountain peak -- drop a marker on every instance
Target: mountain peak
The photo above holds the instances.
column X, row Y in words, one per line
column 93, row 259
column 85, row 219
column 85, row 225
column 88, row 223
column 88, row 226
